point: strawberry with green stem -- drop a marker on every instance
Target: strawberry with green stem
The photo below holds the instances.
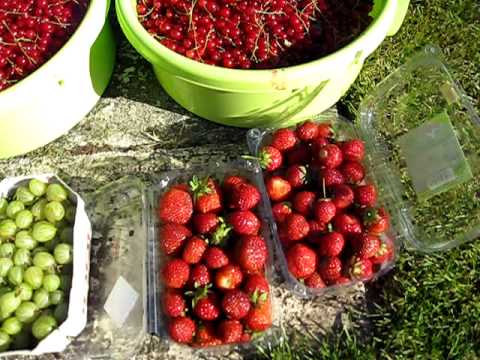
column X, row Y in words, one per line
column 376, row 221
column 206, row 194
column 236, row 304
column 269, row 158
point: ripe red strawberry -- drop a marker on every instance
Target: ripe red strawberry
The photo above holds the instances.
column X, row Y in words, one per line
column 206, row 195
column 330, row 177
column 330, row 268
column 376, row 221
column 325, row 210
column 176, row 273
column 353, row 172
column 204, row 223
column 194, row 249
column 251, row 253
column 243, row 197
column 297, row 175
column 206, row 307
column 366, row 245
column 300, row 154
column 318, row 143
column 315, row 281
column 307, row 131
column 231, row 181
column 361, row 269
column 353, row 150
column 244, row 222
column 172, row 237
column 366, row 195
column 246, row 337
column 236, row 304
column 270, row 158
column 330, row 156
column 174, row 303
column 316, row 228
column 284, row 139
column 278, row 189
column 181, row 329
column 257, row 288
column 331, row 244
column 384, row 253
column 205, row 333
column 297, row 227
column 215, row 258
column 199, row 276
column 341, row 280
column 228, row 277
column 303, row 202
column 301, row 261
column 281, row 211
column 230, row 331
column 260, row 317
column 347, row 224
column 175, row 206
column 342, row 196
column 325, row 130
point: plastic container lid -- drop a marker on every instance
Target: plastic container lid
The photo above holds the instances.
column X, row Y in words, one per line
column 423, row 144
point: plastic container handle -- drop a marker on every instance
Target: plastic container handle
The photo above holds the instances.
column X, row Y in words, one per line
column 400, row 13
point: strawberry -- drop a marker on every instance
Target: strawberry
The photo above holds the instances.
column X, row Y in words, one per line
column 205, row 306
column 315, row 281
column 243, row 196
column 353, row 172
column 230, row 331
column 270, row 158
column 278, row 189
column 318, row 143
column 330, row 156
column 174, row 303
column 260, row 317
column 341, row 281
column 280, row 211
column 215, row 258
column 366, row 195
column 172, row 237
column 384, row 253
column 342, row 196
column 331, row 244
column 204, row 223
column 307, row 131
column 303, row 202
column 206, row 195
column 297, row 227
column 236, row 304
column 228, row 277
column 324, row 210
column 330, row 268
column 181, row 329
column 296, row 175
column 284, row 139
column 300, row 154
column 194, row 249
column 366, row 245
column 221, row 233
column 205, row 332
column 246, row 337
column 353, row 150
column 316, row 228
column 251, row 253
column 176, row 273
column 301, row 261
column 175, row 206
column 244, row 222
column 199, row 276
column 257, row 288
column 330, row 177
column 347, row 224
column 231, row 181
column 361, row 269
column 376, row 221
column 325, row 130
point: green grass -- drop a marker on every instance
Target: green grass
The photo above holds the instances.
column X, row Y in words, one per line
column 428, row 307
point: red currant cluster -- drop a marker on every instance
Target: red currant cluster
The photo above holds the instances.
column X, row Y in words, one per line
column 32, row 31
column 254, row 34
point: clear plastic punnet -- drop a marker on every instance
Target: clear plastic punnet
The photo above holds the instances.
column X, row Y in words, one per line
column 128, row 308
column 422, row 140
